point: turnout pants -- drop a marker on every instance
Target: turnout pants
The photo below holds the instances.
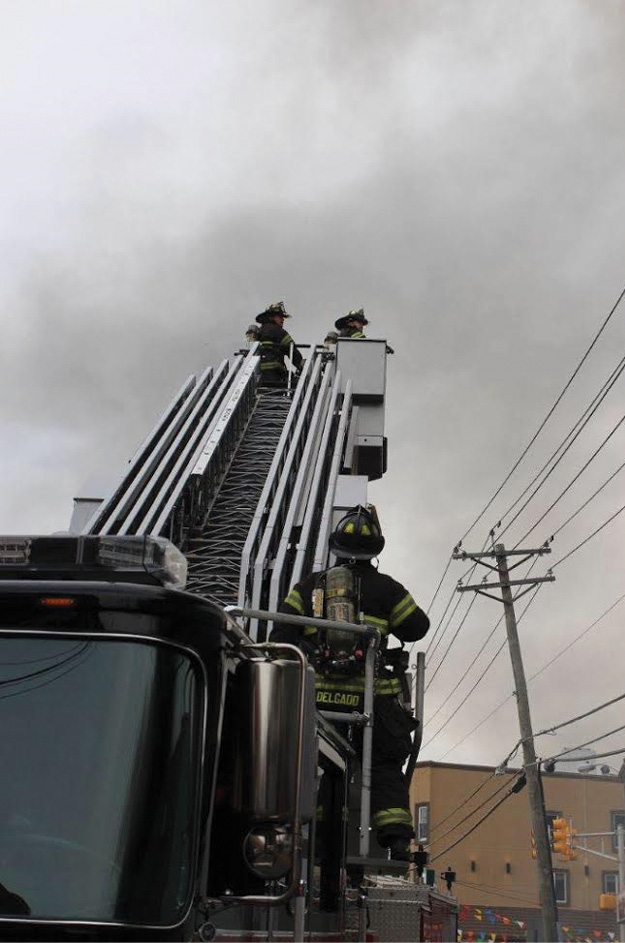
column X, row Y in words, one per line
column 392, row 728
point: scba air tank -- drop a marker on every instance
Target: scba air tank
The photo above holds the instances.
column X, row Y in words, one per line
column 341, row 605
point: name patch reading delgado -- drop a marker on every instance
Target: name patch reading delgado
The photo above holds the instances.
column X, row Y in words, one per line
column 337, row 697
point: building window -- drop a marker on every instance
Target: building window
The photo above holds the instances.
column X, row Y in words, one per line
column 609, row 880
column 422, row 822
column 616, row 818
column 561, row 886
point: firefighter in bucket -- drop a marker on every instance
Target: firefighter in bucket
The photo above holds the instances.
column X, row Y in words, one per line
column 355, row 591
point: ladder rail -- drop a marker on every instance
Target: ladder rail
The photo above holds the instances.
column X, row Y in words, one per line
column 204, row 407
column 311, row 513
column 162, row 428
column 279, row 504
column 184, row 496
column 320, row 560
column 299, row 494
column 255, row 533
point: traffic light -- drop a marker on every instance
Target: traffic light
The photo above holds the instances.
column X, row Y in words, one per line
column 562, row 839
column 559, row 836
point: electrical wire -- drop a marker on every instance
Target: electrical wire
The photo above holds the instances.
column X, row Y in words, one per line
column 474, row 827
column 596, row 756
column 456, row 686
column 535, row 675
column 502, row 893
column 588, row 742
column 545, row 420
column 466, row 698
column 580, row 636
column 590, row 536
column 476, row 809
column 468, row 573
column 574, row 720
column 440, row 583
column 447, row 650
column 480, row 679
column 462, row 804
column 564, row 446
column 572, row 481
column 586, row 503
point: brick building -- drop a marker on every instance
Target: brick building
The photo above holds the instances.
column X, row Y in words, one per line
column 496, row 875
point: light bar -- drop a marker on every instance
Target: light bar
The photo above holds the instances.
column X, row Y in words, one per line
column 127, row 558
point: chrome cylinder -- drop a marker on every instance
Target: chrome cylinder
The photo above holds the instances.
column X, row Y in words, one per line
column 268, row 702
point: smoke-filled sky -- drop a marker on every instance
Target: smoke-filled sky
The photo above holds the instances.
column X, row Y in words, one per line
column 454, row 166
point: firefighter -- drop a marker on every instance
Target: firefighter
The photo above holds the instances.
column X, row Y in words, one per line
column 379, row 600
column 351, row 324
column 275, row 344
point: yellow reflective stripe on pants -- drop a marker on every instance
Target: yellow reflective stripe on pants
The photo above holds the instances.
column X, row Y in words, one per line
column 392, row 817
column 402, row 610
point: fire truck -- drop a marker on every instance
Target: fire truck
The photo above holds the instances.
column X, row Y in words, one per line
column 161, row 759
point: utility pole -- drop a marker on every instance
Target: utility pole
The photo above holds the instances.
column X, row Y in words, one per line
column 532, row 772
column 620, row 850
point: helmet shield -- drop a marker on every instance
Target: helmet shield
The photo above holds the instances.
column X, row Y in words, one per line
column 357, row 536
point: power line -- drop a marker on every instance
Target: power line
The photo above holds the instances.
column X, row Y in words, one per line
column 564, row 446
column 474, row 827
column 580, row 636
column 596, row 756
column 447, row 650
column 468, row 572
column 476, row 809
column 498, row 890
column 448, row 623
column 587, row 502
column 545, row 420
column 466, row 698
column 535, row 675
column 462, row 803
column 440, row 583
column 572, row 481
column 574, row 720
column 590, row 536
column 588, row 742
column 468, row 669
column 479, row 680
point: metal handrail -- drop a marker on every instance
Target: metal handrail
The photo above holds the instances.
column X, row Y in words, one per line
column 298, row 495
column 311, row 507
column 321, row 550
column 171, row 498
column 255, row 533
column 147, row 455
column 203, row 407
column 283, row 490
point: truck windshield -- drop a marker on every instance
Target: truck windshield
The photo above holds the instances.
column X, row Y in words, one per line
column 99, row 759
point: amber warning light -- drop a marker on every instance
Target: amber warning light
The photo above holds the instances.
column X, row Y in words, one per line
column 57, row 602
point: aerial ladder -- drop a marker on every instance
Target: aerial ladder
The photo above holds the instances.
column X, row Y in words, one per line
column 240, row 485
